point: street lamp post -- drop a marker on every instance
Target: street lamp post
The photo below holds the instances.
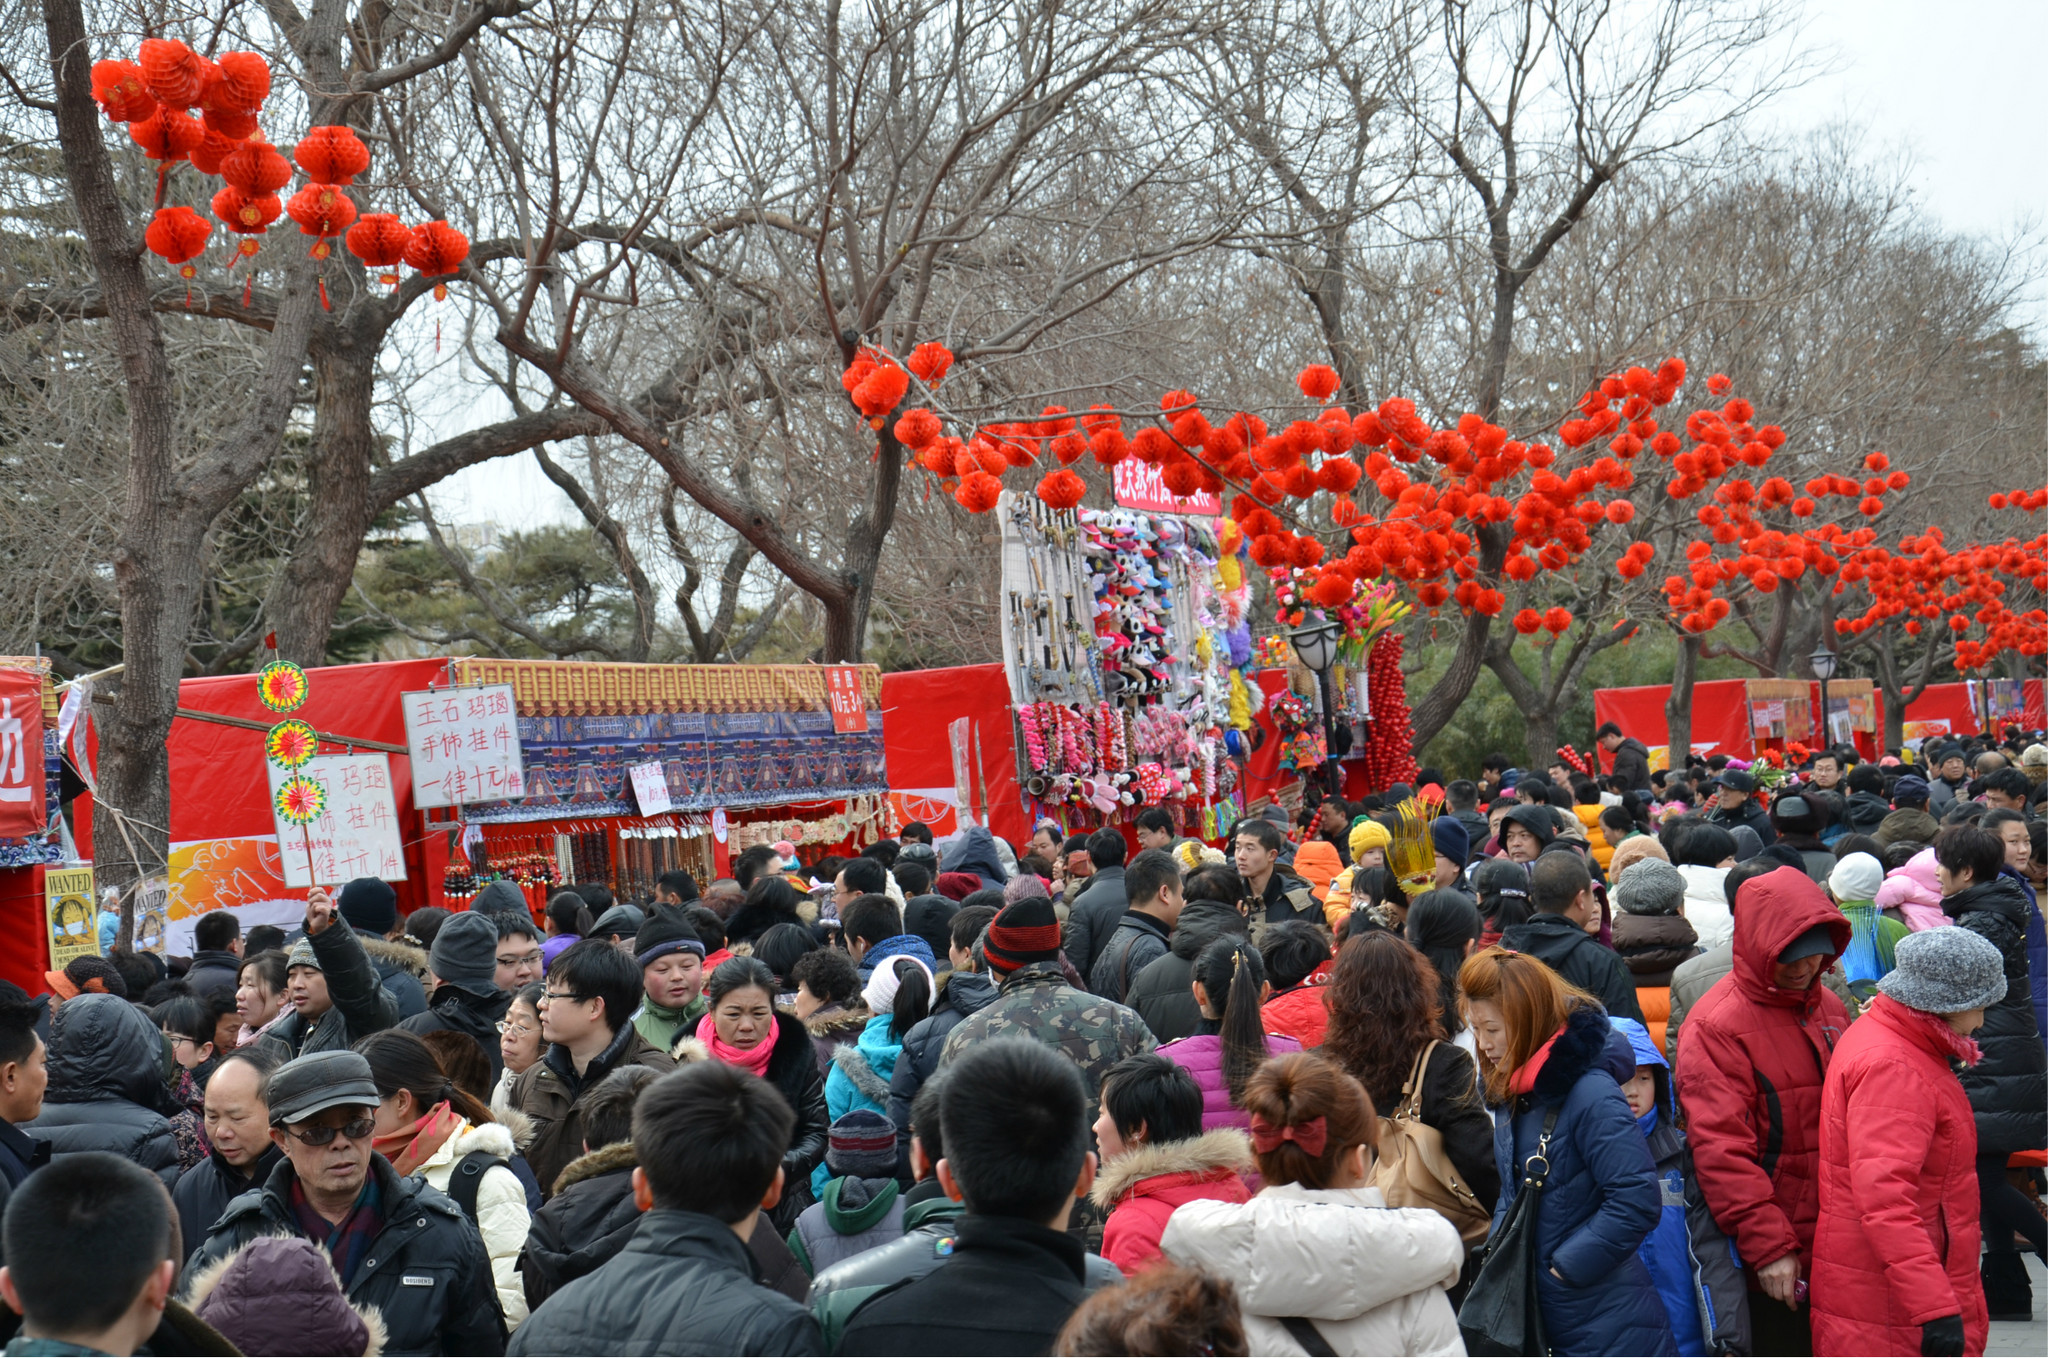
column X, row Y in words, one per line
column 1823, row 662
column 1315, row 644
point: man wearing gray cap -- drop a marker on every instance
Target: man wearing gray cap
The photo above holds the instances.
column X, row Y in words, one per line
column 336, row 997
column 466, row 996
column 396, row 1244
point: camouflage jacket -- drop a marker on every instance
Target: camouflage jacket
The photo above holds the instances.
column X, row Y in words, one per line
column 1036, row 1002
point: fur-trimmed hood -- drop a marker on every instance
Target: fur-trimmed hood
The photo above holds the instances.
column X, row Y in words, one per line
column 280, row 1294
column 1587, row 1042
column 519, row 1125
column 833, row 1020
column 1225, row 1150
column 408, row 957
column 604, row 1160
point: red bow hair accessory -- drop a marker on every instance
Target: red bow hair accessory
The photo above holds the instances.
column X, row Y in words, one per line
column 1312, row 1136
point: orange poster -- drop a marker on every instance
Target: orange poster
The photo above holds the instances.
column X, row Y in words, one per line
column 243, row 875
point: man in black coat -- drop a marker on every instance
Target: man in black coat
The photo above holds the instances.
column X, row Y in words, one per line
column 370, row 907
column 709, row 1139
column 1561, row 893
column 1631, row 757
column 1016, row 1151
column 1735, row 804
column 1162, row 992
column 466, row 999
column 24, row 1074
column 383, row 1232
column 1273, row 891
column 1092, row 916
column 217, row 953
column 1153, row 883
column 242, row 1156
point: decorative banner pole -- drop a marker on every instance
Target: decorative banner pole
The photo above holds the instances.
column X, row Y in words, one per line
column 283, row 687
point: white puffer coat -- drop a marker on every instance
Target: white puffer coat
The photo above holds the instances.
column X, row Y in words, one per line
column 1706, row 905
column 1370, row 1277
column 501, row 1215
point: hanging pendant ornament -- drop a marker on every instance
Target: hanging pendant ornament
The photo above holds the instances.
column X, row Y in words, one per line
column 299, row 800
column 282, row 686
column 291, row 743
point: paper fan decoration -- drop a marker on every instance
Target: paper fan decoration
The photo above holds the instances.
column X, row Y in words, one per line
column 300, row 800
column 291, row 743
column 282, row 686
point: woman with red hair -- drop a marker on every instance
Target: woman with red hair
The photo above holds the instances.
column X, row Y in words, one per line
column 1553, row 1066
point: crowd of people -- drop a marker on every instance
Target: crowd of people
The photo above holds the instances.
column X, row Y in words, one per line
column 1727, row 1059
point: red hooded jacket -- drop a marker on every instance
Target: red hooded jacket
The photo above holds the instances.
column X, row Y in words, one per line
column 1750, row 1074
column 1897, row 1244
column 1141, row 1188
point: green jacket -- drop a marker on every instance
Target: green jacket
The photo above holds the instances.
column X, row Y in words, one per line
column 661, row 1026
column 1036, row 1002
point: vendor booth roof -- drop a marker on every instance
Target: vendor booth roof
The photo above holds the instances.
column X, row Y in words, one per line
column 564, row 688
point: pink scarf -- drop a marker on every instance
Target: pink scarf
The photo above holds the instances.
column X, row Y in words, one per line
column 753, row 1060
column 411, row 1146
column 1952, row 1043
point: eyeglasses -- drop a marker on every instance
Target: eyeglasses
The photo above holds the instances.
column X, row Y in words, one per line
column 550, row 997
column 531, row 959
column 355, row 1129
column 506, row 1028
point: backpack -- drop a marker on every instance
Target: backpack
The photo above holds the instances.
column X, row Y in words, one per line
column 467, row 1179
column 1414, row 1171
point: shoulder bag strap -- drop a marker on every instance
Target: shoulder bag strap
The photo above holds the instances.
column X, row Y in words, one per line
column 1411, row 1093
column 1308, row 1336
column 468, row 1180
column 1533, row 1179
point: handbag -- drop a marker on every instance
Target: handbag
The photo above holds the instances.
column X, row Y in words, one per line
column 1412, row 1169
column 1501, row 1314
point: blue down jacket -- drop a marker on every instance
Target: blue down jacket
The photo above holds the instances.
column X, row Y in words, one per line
column 1601, row 1199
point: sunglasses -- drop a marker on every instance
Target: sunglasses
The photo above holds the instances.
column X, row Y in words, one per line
column 355, row 1129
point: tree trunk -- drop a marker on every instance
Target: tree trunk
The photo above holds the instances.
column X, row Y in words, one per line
column 1436, row 708
column 1678, row 707
column 308, row 591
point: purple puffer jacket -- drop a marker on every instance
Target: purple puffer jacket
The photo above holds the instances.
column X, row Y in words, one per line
column 1202, row 1057
column 555, row 947
column 279, row 1294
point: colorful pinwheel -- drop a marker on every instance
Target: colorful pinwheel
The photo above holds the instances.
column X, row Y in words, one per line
column 282, row 686
column 291, row 743
column 300, row 800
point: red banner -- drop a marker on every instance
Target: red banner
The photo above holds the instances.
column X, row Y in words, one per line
column 22, row 812
column 849, row 703
column 1140, row 486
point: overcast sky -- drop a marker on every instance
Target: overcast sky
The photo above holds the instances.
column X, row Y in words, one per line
column 1955, row 85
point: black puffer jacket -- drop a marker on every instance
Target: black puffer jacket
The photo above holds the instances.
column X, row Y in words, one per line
column 683, row 1284
column 456, row 1010
column 1162, row 992
column 425, row 1236
column 2008, row 1089
column 588, row 1220
column 360, row 1004
column 1632, row 764
column 1093, row 917
column 106, row 1085
column 205, row 1190
column 960, row 993
column 1577, row 956
column 793, row 1070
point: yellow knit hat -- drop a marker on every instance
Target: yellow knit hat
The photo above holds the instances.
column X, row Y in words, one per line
column 1366, row 836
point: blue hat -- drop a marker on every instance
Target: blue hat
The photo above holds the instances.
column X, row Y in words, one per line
column 1448, row 834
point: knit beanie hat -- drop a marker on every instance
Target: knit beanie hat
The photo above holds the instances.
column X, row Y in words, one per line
column 1635, row 849
column 957, row 886
column 662, row 935
column 1368, row 834
column 1024, row 886
column 862, row 1144
column 369, row 904
column 1448, row 835
column 1945, row 971
column 1022, row 933
column 302, row 955
column 1648, row 887
column 465, row 954
column 88, row 975
column 886, row 980
column 1856, row 877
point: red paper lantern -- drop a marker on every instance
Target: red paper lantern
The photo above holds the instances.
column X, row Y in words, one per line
column 178, row 234
column 256, row 169
column 1061, row 489
column 917, row 429
column 978, row 492
column 247, row 214
column 321, row 210
column 332, row 155
column 244, row 83
column 434, row 249
column 167, row 134
column 930, row 362
column 230, row 124
column 121, row 91
column 207, row 156
column 1318, row 381
column 173, row 71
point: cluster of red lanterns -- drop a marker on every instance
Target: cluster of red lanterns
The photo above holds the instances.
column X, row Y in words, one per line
column 1389, row 752
column 154, row 96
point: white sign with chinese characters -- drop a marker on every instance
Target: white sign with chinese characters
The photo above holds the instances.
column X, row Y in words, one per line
column 355, row 836
column 650, row 788
column 464, row 745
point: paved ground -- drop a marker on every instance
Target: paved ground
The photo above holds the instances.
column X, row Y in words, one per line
column 2025, row 1341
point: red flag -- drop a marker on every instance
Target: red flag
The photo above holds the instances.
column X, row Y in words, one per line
column 22, row 811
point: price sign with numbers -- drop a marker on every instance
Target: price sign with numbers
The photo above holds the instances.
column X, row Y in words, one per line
column 464, row 745
column 355, row 834
column 650, row 788
column 849, row 702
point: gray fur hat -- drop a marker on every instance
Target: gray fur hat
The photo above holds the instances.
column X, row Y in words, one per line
column 1649, row 886
column 1946, row 970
